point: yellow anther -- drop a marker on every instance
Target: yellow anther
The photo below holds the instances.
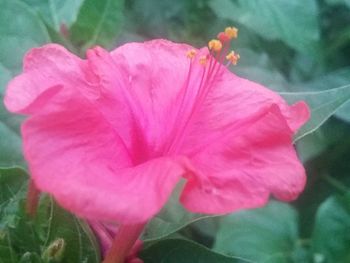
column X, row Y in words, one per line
column 231, row 32
column 203, row 60
column 215, row 45
column 233, row 57
column 191, row 53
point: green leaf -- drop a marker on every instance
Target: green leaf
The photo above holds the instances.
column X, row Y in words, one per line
column 10, row 145
column 7, row 255
column 29, row 257
column 17, row 36
column 319, row 141
column 13, row 183
column 258, row 67
column 171, row 218
column 275, row 20
column 56, row 12
column 266, row 234
column 323, row 104
column 98, row 23
column 21, row 237
column 331, row 241
column 18, row 231
column 338, row 2
column 332, row 80
column 80, row 244
column 184, row 251
column 10, row 140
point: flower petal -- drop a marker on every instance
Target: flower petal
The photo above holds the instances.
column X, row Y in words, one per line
column 158, row 75
column 47, row 70
column 79, row 159
column 233, row 103
column 239, row 171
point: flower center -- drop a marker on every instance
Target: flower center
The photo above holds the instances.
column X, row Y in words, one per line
column 199, row 81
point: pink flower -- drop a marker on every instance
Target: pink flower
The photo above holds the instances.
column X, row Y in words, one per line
column 110, row 136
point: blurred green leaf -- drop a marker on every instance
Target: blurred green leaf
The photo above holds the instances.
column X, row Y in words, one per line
column 13, row 182
column 331, row 240
column 184, row 251
column 332, row 132
column 323, row 104
column 17, row 36
column 56, row 12
column 80, row 244
column 24, row 238
column 258, row 67
column 10, row 146
column 170, row 219
column 98, row 23
column 338, row 78
column 29, row 257
column 10, row 140
column 155, row 18
column 294, row 22
column 338, row 2
column 266, row 234
column 7, row 255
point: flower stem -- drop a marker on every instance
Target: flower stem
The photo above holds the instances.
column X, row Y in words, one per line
column 32, row 199
column 123, row 243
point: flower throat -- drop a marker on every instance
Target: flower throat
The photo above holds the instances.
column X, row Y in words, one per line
column 211, row 63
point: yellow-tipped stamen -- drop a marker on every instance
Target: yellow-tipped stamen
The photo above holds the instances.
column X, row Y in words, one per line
column 233, row 57
column 191, row 53
column 203, row 60
column 231, row 32
column 215, row 45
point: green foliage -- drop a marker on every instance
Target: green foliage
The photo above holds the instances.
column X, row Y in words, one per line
column 184, row 251
column 56, row 12
column 171, row 218
column 10, row 153
column 267, row 234
column 331, row 240
column 98, row 22
column 275, row 20
column 333, row 80
column 53, row 236
column 323, row 104
column 18, row 36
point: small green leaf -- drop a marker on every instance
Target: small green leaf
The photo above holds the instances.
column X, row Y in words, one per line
column 29, row 257
column 80, row 244
column 331, row 240
column 266, row 234
column 13, row 183
column 55, row 251
column 54, row 230
column 171, row 218
column 323, row 104
column 275, row 20
column 184, row 251
column 98, row 23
